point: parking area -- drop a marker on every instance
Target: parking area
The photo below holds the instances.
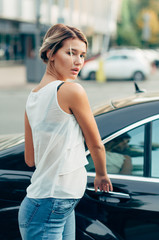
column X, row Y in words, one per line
column 14, row 90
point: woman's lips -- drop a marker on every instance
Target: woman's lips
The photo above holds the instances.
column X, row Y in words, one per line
column 75, row 71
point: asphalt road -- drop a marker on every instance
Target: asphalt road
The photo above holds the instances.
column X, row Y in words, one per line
column 14, row 91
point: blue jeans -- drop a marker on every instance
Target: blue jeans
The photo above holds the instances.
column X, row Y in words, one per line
column 47, row 219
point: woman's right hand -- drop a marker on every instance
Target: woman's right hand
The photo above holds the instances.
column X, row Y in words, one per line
column 103, row 183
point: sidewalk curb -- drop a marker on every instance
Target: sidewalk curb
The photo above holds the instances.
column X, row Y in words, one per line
column 12, row 76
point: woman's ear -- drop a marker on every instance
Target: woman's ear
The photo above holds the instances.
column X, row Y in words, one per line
column 48, row 54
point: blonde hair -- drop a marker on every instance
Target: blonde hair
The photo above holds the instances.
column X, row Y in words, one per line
column 53, row 39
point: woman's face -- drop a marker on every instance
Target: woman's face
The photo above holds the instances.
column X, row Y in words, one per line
column 69, row 59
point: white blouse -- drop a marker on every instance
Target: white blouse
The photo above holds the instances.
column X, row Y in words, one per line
column 59, row 151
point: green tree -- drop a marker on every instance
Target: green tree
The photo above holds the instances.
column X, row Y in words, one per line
column 131, row 27
column 126, row 32
column 148, row 21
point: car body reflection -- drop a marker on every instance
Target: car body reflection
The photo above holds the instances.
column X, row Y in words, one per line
column 129, row 127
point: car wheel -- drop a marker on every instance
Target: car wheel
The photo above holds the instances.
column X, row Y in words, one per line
column 92, row 76
column 138, row 76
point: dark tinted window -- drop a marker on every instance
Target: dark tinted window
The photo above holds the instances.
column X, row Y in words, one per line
column 125, row 154
column 117, row 57
column 155, row 149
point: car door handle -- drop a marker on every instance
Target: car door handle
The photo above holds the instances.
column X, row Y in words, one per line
column 110, row 194
column 17, row 191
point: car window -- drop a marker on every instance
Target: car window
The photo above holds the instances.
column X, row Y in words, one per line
column 155, row 149
column 124, row 57
column 114, row 58
column 118, row 57
column 124, row 154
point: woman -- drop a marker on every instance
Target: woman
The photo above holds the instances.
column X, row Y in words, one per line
column 57, row 117
column 118, row 160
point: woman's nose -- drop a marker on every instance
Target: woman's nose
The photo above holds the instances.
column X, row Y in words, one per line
column 78, row 60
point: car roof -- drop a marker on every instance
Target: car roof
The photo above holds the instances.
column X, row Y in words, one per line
column 137, row 98
column 120, row 114
column 10, row 140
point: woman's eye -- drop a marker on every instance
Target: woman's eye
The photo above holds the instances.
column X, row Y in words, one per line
column 70, row 53
column 82, row 56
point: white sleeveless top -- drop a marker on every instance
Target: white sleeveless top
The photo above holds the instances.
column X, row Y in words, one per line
column 59, row 151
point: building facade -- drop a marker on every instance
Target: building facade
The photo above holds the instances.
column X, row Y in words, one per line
column 24, row 22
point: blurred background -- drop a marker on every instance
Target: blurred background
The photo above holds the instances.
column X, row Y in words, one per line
column 123, row 38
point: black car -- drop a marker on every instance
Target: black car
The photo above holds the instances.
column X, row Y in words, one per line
column 130, row 132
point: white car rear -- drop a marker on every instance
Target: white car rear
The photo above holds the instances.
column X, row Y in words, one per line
column 120, row 65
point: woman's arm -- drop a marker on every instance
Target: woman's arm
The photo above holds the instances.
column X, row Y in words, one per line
column 127, row 166
column 29, row 149
column 79, row 106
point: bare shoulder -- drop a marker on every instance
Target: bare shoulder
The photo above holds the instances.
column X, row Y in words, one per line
column 73, row 94
column 77, row 98
column 74, row 89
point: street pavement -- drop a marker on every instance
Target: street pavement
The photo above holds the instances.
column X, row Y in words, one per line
column 14, row 90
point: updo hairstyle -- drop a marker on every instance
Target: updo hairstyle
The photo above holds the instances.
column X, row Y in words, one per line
column 53, row 39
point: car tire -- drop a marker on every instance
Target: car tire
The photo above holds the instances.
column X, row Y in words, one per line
column 92, row 76
column 138, row 76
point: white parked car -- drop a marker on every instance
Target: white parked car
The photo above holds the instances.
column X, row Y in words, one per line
column 120, row 64
column 152, row 56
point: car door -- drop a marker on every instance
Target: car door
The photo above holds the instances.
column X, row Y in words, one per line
column 14, row 179
column 131, row 211
column 118, row 67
